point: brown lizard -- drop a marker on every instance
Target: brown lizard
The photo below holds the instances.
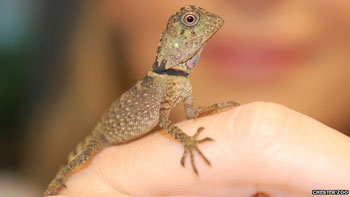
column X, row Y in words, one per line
column 150, row 101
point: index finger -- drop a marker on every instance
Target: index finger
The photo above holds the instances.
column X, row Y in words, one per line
column 259, row 147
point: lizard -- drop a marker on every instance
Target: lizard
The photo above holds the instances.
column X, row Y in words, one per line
column 149, row 102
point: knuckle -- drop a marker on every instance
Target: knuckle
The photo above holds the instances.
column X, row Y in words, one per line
column 258, row 129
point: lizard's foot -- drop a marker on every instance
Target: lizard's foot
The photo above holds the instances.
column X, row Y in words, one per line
column 55, row 186
column 190, row 145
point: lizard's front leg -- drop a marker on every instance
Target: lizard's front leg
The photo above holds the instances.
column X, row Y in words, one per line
column 205, row 110
column 189, row 142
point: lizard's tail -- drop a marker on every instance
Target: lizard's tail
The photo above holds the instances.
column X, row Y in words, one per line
column 79, row 148
column 83, row 153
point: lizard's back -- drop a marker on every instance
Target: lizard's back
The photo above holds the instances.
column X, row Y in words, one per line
column 134, row 114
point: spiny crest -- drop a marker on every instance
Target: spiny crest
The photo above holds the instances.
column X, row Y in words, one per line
column 186, row 33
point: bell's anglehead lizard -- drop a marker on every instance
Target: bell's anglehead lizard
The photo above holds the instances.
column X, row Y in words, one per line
column 149, row 102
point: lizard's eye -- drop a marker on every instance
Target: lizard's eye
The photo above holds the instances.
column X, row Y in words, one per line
column 189, row 20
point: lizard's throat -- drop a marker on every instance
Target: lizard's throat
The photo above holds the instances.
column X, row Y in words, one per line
column 184, row 68
column 192, row 62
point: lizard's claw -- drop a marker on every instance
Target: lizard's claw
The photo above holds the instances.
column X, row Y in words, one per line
column 190, row 145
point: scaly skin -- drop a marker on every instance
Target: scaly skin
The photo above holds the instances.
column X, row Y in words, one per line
column 150, row 101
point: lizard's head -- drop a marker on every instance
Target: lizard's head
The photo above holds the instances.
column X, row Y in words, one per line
column 185, row 35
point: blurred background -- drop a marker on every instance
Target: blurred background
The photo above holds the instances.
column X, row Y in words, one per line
column 62, row 63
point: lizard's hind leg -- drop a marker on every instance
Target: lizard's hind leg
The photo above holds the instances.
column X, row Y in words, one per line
column 92, row 147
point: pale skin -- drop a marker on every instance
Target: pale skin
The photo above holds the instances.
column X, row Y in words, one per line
column 259, row 148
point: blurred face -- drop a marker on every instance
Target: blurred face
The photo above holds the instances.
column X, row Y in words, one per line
column 293, row 52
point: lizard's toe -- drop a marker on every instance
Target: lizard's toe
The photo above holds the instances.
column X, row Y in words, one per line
column 190, row 145
column 184, row 157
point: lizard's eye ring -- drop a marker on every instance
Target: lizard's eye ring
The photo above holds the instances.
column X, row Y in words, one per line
column 190, row 20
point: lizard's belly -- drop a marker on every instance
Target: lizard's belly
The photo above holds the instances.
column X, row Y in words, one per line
column 134, row 114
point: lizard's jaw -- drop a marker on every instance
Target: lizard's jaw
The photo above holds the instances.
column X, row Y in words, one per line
column 192, row 59
column 191, row 62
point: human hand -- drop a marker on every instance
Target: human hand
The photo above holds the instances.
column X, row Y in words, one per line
column 259, row 148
